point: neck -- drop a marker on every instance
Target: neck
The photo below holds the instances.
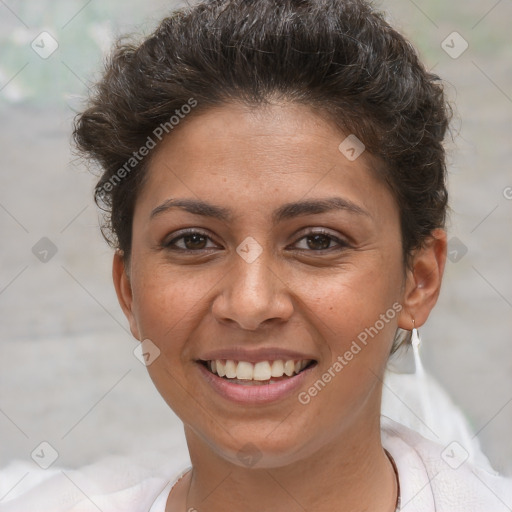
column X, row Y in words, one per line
column 351, row 472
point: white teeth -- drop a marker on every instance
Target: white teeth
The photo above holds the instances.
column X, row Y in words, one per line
column 289, row 368
column 244, row 371
column 277, row 368
column 230, row 369
column 221, row 368
column 260, row 371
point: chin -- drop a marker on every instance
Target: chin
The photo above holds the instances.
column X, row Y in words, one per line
column 261, row 450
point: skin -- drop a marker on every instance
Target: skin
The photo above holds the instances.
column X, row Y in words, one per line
column 323, row 455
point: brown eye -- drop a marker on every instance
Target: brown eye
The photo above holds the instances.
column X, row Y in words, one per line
column 318, row 242
column 321, row 241
column 195, row 241
column 190, row 241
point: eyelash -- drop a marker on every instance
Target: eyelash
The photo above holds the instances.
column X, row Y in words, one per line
column 169, row 245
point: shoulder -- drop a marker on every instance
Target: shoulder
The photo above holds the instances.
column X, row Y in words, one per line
column 442, row 478
column 116, row 483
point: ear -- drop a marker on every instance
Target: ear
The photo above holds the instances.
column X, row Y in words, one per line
column 124, row 290
column 423, row 281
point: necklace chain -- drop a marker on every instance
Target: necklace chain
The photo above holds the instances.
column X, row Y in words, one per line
column 393, row 464
column 397, row 481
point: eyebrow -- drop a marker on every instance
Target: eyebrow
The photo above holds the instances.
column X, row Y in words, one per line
column 284, row 212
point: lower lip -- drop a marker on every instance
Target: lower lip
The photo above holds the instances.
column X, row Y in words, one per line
column 257, row 393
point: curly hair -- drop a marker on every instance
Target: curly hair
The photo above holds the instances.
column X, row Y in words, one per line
column 339, row 57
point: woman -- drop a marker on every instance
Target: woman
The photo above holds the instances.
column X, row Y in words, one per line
column 274, row 187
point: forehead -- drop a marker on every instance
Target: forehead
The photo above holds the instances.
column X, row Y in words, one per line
column 257, row 157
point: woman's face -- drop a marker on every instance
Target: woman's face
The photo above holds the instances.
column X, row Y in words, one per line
column 296, row 255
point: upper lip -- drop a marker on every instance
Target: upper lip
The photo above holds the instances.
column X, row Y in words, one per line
column 255, row 355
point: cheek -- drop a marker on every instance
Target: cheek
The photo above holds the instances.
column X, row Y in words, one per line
column 166, row 307
column 357, row 314
column 355, row 299
column 164, row 300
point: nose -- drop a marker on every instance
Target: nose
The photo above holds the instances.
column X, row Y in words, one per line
column 252, row 294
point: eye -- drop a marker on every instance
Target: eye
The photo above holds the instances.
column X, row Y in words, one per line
column 191, row 241
column 317, row 241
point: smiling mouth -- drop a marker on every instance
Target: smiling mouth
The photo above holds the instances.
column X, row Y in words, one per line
column 260, row 373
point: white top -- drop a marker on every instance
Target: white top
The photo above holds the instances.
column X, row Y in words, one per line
column 161, row 500
column 432, row 478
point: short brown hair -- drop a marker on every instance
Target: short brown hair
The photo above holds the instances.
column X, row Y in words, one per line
column 338, row 56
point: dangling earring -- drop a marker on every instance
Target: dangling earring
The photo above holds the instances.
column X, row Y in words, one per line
column 421, row 378
column 415, row 342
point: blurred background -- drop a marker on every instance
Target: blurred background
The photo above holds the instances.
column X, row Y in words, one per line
column 68, row 374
